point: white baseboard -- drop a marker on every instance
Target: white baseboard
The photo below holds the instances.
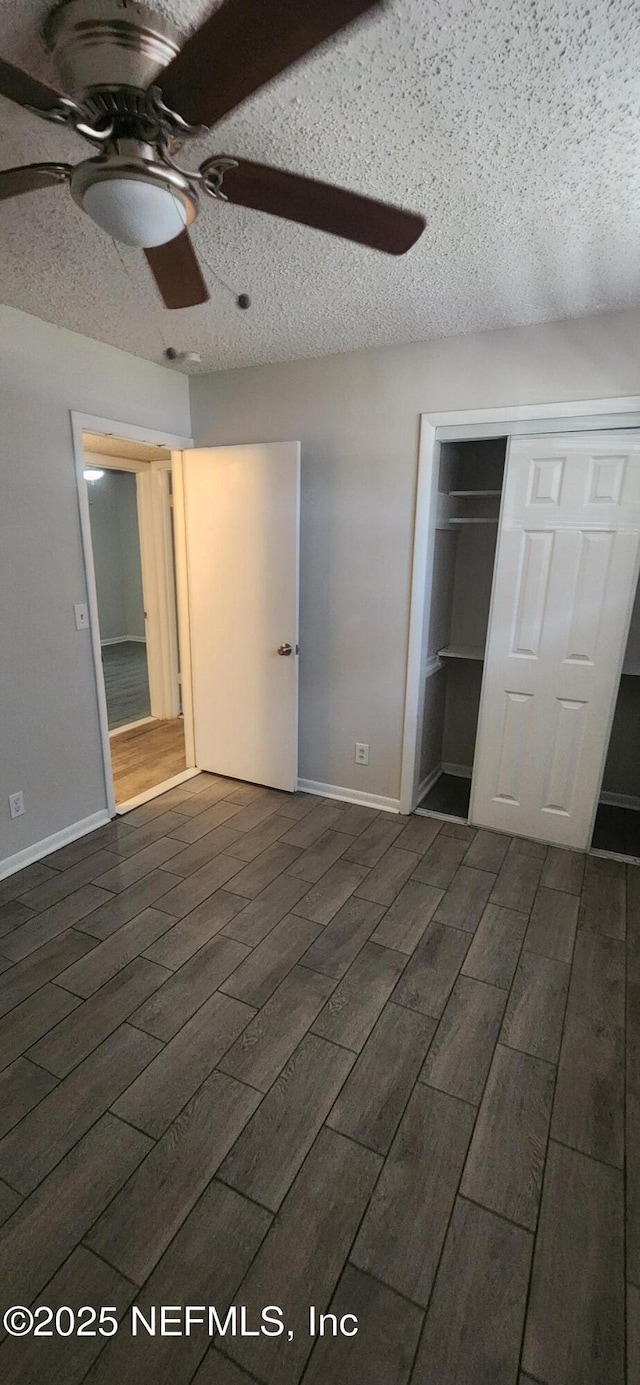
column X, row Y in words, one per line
column 459, row 771
column 131, row 726
column 48, row 844
column 125, row 639
column 155, row 792
column 620, row 800
column 369, row 800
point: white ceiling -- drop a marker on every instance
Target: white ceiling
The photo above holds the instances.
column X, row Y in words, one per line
column 514, row 125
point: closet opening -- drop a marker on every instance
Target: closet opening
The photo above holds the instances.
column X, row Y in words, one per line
column 466, row 511
column 617, row 823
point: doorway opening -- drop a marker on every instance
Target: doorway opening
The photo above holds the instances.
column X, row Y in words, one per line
column 616, row 828
column 468, row 480
column 131, row 526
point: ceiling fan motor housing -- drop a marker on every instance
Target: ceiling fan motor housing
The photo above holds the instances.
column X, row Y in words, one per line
column 102, row 44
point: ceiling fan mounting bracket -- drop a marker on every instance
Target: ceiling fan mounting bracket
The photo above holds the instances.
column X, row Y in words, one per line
column 212, row 173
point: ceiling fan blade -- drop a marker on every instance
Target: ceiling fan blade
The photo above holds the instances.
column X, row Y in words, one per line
column 244, row 44
column 177, row 273
column 15, row 181
column 327, row 208
column 25, row 90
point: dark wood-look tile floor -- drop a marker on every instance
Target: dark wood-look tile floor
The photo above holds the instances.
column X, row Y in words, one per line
column 258, row 1048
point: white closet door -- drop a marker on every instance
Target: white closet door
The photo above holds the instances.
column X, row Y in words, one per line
column 566, row 570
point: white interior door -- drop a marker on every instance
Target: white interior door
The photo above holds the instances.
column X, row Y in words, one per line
column 242, row 508
column 566, row 571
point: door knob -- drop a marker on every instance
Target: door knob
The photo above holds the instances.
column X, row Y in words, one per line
column 285, row 649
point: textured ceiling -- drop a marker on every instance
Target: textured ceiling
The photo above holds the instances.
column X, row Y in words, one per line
column 513, row 124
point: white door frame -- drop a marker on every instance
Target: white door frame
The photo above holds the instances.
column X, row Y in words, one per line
column 90, row 423
column 472, row 425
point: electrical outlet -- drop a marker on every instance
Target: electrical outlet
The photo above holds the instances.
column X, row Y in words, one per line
column 362, row 754
column 16, row 805
column 81, row 612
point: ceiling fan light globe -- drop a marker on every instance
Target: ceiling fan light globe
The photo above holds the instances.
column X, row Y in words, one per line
column 134, row 211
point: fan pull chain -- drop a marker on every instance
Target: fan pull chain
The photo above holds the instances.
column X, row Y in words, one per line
column 242, row 300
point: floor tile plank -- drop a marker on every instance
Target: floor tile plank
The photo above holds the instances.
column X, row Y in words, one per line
column 441, row 860
column 337, row 945
column 268, row 1154
column 43, row 1137
column 495, row 949
column 518, row 879
column 268, row 1041
column 353, row 1008
column 418, row 834
column 254, row 920
column 172, row 1004
column 42, row 928
column 257, row 977
column 367, row 849
column 603, row 901
column 535, row 1010
column 75, row 1036
column 191, row 858
column 157, row 1096
column 474, row 1323
column 106, row 919
column 487, row 851
column 304, row 1252
column 575, row 1323
column 255, row 876
column 333, row 890
column 22, row 1086
column 92, row 971
column 405, row 1225
column 204, row 1264
column 563, row 870
column 505, row 1163
column 462, row 1048
column 374, row 1096
column 193, row 889
column 192, row 931
column 66, row 882
column 428, row 980
column 553, row 923
column 392, row 871
column 142, row 1220
column 30, row 1020
column 404, row 924
column 43, row 965
column 82, row 1280
column 49, row 1223
column 382, row 1351
column 588, row 1111
column 463, row 903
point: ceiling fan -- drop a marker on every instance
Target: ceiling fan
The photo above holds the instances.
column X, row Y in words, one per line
column 139, row 92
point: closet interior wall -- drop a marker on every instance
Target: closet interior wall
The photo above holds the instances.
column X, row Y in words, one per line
column 467, row 509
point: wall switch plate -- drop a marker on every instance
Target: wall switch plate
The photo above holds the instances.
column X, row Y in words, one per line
column 362, row 754
column 16, row 805
column 81, row 612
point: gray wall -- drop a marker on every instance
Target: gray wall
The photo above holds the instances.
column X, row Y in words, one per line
column 357, row 416
column 49, row 733
column 115, row 540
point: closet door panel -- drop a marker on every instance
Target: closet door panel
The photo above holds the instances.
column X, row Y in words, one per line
column 566, row 571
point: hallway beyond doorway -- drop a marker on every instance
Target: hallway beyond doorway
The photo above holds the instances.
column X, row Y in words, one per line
column 145, row 756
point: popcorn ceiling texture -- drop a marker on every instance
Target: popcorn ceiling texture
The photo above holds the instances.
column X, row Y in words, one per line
column 513, row 124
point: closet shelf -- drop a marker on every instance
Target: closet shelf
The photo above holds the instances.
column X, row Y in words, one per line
column 461, row 519
column 469, row 494
column 462, row 651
